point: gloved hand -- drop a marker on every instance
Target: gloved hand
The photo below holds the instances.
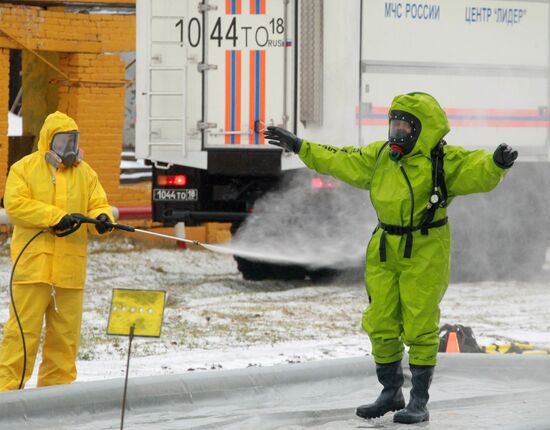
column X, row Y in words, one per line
column 285, row 139
column 504, row 156
column 66, row 223
column 102, row 227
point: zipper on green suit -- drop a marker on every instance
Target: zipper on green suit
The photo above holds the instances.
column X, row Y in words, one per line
column 410, row 191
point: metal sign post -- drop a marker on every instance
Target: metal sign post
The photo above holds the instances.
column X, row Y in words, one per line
column 126, row 377
column 135, row 313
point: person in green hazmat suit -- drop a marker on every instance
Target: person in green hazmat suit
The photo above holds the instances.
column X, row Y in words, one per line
column 412, row 177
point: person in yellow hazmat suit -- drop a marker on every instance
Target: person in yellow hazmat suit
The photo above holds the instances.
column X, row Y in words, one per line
column 42, row 190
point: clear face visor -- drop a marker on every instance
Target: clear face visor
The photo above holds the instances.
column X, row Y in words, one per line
column 65, row 145
column 400, row 130
column 65, row 142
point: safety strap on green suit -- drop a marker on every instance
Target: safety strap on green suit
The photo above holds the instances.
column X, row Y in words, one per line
column 438, row 199
column 399, row 230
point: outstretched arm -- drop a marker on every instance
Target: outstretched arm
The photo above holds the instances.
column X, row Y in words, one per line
column 468, row 172
column 349, row 164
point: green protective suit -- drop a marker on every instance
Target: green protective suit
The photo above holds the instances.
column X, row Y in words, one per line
column 404, row 293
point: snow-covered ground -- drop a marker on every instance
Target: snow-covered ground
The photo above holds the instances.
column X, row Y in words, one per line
column 216, row 320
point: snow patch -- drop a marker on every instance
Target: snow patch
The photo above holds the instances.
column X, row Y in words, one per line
column 216, row 320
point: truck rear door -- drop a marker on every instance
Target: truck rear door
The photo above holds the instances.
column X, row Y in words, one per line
column 168, row 82
column 248, row 84
column 211, row 74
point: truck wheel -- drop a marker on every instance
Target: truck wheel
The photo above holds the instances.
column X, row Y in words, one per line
column 259, row 271
column 323, row 275
column 251, row 270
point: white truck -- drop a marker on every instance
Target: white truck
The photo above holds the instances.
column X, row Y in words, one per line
column 212, row 74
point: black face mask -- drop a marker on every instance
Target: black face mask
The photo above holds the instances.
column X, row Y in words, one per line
column 403, row 133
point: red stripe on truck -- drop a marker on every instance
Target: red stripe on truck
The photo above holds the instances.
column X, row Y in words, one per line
column 252, row 96
column 238, row 96
column 262, row 95
column 471, row 123
column 257, row 97
column 228, row 95
column 472, row 117
column 257, row 7
column 233, row 7
column 233, row 95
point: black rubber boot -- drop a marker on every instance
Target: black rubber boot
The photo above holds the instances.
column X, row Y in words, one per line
column 416, row 411
column 391, row 398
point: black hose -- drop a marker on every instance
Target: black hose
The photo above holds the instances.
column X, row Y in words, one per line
column 15, row 309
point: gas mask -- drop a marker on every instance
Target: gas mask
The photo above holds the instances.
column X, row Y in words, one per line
column 64, row 149
column 403, row 133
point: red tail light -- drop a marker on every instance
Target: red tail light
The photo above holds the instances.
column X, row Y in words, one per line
column 173, row 181
column 318, row 183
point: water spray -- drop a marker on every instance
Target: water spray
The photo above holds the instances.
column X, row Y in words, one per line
column 252, row 255
column 115, row 226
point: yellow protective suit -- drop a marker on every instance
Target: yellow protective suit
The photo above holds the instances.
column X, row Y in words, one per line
column 50, row 275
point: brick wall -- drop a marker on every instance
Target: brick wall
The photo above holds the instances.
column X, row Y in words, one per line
column 47, row 30
column 79, row 2
column 4, row 96
column 99, row 112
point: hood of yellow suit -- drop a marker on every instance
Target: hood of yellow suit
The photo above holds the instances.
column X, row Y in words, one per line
column 54, row 123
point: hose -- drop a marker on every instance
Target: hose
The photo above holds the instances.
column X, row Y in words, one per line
column 15, row 308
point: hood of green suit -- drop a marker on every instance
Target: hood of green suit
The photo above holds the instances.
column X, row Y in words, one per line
column 435, row 124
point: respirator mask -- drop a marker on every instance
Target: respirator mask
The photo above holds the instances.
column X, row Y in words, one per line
column 403, row 133
column 64, row 148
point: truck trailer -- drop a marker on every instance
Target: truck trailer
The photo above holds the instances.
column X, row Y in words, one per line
column 213, row 74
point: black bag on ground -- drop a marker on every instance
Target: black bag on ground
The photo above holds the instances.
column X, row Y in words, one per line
column 466, row 339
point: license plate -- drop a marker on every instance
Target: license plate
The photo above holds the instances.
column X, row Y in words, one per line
column 175, row 195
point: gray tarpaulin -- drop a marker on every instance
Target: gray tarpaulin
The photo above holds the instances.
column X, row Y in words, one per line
column 469, row 391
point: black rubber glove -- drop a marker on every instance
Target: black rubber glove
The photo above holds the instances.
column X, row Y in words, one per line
column 285, row 139
column 505, row 156
column 102, row 227
column 66, row 223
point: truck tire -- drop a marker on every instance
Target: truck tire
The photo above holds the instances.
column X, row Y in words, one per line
column 260, row 271
column 323, row 275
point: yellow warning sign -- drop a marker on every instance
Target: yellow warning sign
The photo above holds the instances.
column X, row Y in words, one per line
column 143, row 309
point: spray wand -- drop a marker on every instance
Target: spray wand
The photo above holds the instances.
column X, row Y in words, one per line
column 86, row 220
